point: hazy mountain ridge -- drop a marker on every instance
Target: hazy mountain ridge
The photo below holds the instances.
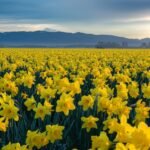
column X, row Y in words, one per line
column 62, row 39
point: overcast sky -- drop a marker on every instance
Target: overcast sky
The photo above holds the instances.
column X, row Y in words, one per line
column 129, row 18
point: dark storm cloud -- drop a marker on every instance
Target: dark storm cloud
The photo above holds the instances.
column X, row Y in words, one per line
column 128, row 5
column 95, row 16
column 67, row 10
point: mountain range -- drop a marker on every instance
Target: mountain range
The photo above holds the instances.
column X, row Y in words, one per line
column 62, row 39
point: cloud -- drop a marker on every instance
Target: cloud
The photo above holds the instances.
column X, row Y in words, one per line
column 65, row 10
column 72, row 10
column 5, row 27
column 138, row 20
column 95, row 16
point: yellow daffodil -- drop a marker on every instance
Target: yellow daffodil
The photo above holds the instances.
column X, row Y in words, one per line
column 54, row 132
column 10, row 111
column 30, row 103
column 89, row 122
column 101, row 142
column 65, row 104
column 86, row 102
column 42, row 110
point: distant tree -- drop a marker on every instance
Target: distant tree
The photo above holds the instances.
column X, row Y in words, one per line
column 149, row 45
column 107, row 45
column 144, row 45
column 100, row 45
column 124, row 44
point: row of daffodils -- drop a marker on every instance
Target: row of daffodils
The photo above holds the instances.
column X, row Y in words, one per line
column 74, row 99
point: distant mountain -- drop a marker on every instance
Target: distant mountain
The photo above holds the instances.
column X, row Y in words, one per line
column 61, row 39
column 50, row 30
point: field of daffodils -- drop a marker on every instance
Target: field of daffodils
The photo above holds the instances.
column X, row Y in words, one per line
column 63, row 99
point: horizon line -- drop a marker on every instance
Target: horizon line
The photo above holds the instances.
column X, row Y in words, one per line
column 94, row 34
